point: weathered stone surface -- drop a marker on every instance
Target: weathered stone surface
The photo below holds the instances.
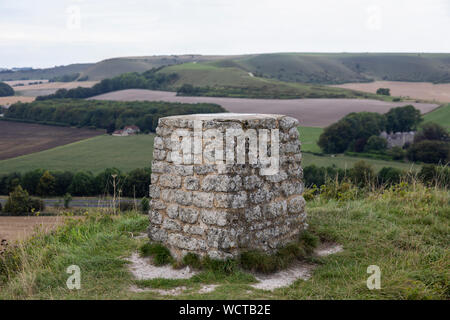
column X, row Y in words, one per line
column 220, row 210
column 155, row 192
column 172, row 211
column 203, row 199
column 155, row 217
column 191, row 183
column 183, row 197
column 215, row 217
column 170, row 181
column 221, row 183
column 296, row 204
column 188, row 215
column 171, row 224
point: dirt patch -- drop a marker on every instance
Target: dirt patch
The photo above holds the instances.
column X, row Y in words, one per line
column 300, row 270
column 208, row 288
column 17, row 139
column 21, row 228
column 415, row 90
column 143, row 269
column 164, row 292
column 328, row 248
column 34, row 90
column 310, row 112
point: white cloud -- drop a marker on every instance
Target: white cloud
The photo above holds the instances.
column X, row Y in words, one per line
column 53, row 34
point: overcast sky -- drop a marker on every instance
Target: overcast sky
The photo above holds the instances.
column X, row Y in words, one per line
column 54, row 32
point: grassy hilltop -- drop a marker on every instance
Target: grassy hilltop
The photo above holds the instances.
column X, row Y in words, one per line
column 402, row 230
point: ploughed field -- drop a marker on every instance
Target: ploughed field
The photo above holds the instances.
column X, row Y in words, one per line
column 310, row 112
column 40, row 89
column 17, row 139
column 21, row 228
column 415, row 90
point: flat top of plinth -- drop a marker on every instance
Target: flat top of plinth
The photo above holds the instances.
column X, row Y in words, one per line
column 227, row 116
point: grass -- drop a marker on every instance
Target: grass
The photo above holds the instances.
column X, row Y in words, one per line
column 440, row 115
column 217, row 79
column 347, row 162
column 128, row 153
column 95, row 154
column 309, row 137
column 402, row 230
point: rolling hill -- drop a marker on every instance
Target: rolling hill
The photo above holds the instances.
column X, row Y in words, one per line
column 47, row 73
column 318, row 68
column 113, row 67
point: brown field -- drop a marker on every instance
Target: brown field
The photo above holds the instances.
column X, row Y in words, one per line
column 45, row 88
column 20, row 228
column 7, row 101
column 310, row 112
column 414, row 90
column 17, row 139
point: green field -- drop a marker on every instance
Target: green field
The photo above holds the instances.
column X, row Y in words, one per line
column 309, row 137
column 231, row 80
column 95, row 154
column 347, row 162
column 440, row 115
column 127, row 153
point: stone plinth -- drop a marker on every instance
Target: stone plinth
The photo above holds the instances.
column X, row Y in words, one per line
column 224, row 183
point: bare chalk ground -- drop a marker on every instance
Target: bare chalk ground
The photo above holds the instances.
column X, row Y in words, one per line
column 143, row 269
column 300, row 270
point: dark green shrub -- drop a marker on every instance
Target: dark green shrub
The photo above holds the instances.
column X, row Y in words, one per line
column 362, row 174
column 6, row 90
column 160, row 254
column 20, row 203
column 432, row 131
column 403, row 119
column 430, row 151
column 389, row 176
column 396, row 153
column 145, row 205
column 125, row 206
column 375, row 143
column 83, row 184
column 192, row 260
column 67, row 199
column 384, row 91
column 35, row 205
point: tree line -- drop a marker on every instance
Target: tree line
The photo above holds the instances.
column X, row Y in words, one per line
column 45, row 183
column 150, row 79
column 107, row 115
column 363, row 175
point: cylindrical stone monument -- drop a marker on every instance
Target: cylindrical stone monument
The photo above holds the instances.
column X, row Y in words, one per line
column 225, row 183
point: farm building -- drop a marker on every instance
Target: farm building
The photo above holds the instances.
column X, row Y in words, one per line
column 127, row 131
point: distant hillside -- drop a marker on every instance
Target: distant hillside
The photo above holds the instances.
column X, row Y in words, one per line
column 116, row 66
column 329, row 68
column 226, row 79
column 317, row 68
column 47, row 73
